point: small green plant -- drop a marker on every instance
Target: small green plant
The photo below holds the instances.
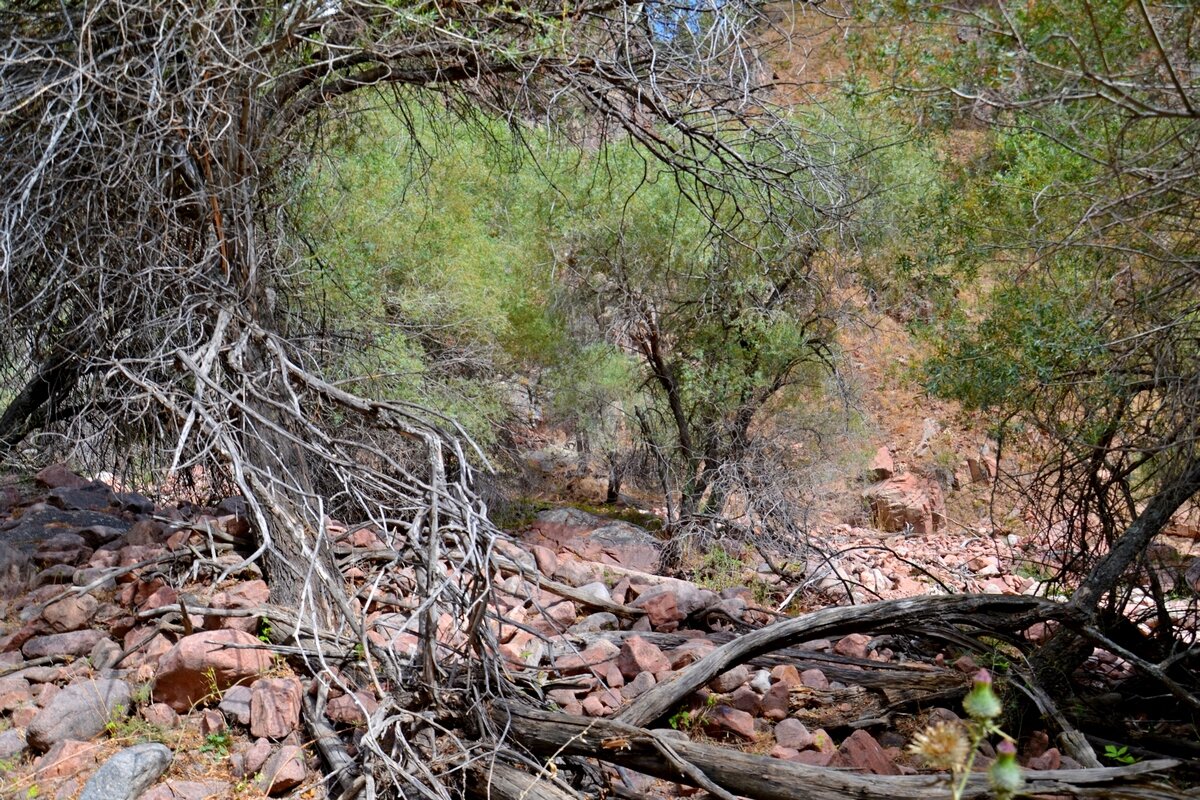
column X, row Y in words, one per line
column 141, row 694
column 1121, row 754
column 681, row 720
column 33, row 792
column 953, row 746
column 217, row 744
column 264, row 631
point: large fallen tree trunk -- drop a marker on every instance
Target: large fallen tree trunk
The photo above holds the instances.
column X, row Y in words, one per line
column 668, row 755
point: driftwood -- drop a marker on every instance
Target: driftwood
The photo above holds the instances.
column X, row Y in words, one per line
column 1007, row 611
column 658, row 753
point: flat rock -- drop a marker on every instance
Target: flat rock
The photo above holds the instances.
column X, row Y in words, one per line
column 729, row 720
column 860, row 751
column 129, row 773
column 79, row 712
column 75, row 643
column 589, row 658
column 67, row 757
column 203, row 662
column 638, row 655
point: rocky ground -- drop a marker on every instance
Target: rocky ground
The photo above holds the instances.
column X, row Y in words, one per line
column 127, row 670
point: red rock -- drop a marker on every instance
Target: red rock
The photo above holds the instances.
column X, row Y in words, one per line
column 907, row 500
column 563, row 613
column 275, row 707
column 776, row 702
column 787, row 674
column 814, row 679
column 814, row 758
column 160, row 597
column 70, row 613
column 250, row 759
column 587, row 659
column 348, row 709
column 212, row 722
column 860, row 751
column 966, row 665
column 188, row 790
column 785, row 753
column 593, row 706
column 613, row 676
column 67, row 757
column 852, row 646
column 725, row 719
column 228, row 656
column 882, row 465
column 1051, row 759
column 690, row 652
column 283, row 771
column 746, row 699
column 661, row 607
column 637, row 656
column 160, row 715
column 792, row 733
column 58, row 476
column 546, row 561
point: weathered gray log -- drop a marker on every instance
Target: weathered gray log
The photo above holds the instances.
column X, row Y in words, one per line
column 1017, row 612
column 495, row 780
column 548, row 734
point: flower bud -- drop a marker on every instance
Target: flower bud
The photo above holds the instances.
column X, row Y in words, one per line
column 981, row 703
column 1005, row 773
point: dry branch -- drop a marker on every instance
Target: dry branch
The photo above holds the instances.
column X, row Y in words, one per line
column 762, row 778
column 981, row 611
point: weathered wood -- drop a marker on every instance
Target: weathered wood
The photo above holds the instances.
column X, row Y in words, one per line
column 547, row 734
column 1018, row 612
column 495, row 780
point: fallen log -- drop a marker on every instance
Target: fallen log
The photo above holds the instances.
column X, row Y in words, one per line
column 667, row 754
column 1012, row 612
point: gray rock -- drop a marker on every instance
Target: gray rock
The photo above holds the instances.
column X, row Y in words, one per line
column 79, row 712
column 596, row 591
column 12, row 745
column 236, row 703
column 129, row 773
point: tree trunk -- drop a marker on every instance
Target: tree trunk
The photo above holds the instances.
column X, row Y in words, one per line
column 1057, row 660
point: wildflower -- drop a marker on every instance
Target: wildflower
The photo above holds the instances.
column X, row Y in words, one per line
column 1005, row 773
column 942, row 745
column 982, row 704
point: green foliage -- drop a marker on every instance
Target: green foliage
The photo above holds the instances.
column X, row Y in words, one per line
column 217, row 744
column 1120, row 755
